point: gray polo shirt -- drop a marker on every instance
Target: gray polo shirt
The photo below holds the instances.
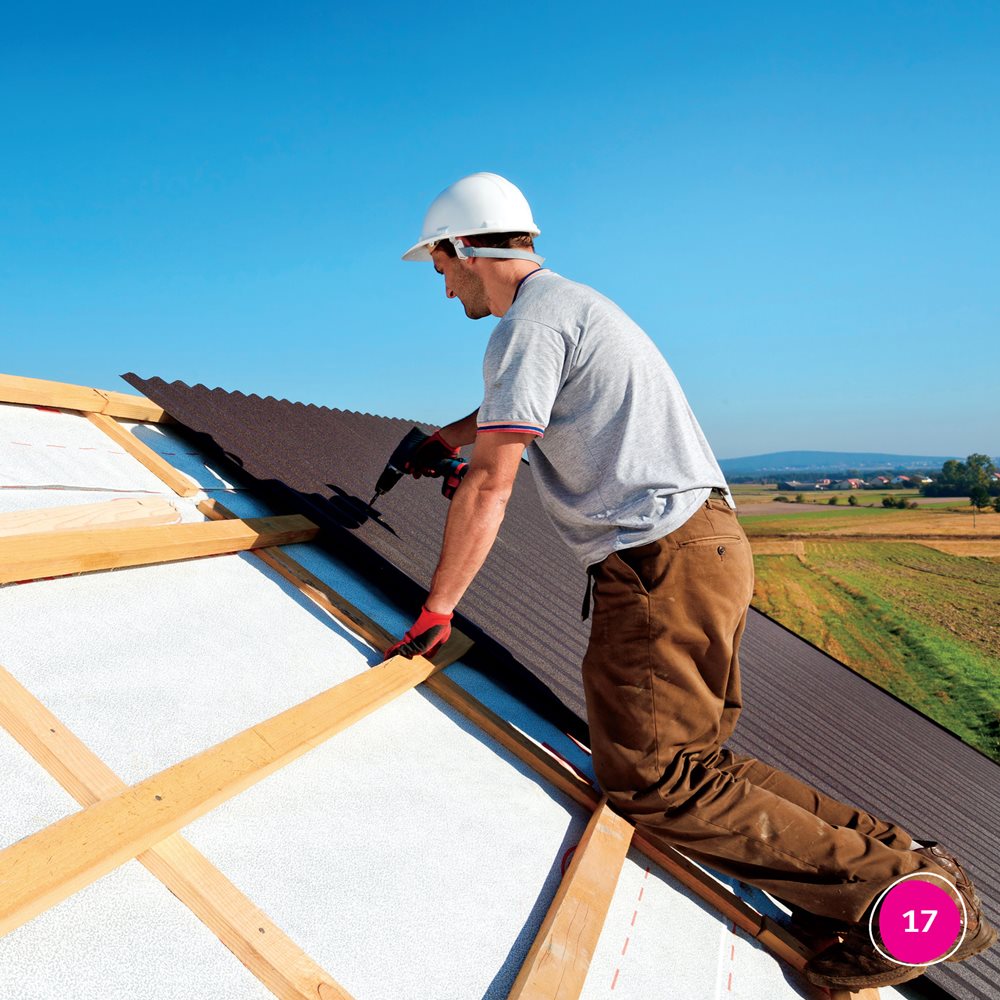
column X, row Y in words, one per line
column 618, row 457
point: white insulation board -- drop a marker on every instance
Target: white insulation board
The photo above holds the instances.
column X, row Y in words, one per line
column 153, row 664
column 183, row 456
column 61, row 449
column 122, row 938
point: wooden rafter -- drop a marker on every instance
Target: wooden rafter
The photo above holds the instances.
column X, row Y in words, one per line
column 181, row 484
column 62, row 395
column 61, row 553
column 52, row 864
column 243, row 928
column 111, row 513
column 559, row 959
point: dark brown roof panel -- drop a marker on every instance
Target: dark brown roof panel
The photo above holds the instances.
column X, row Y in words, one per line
column 804, row 711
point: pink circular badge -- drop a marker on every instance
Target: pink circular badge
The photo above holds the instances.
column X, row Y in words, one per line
column 919, row 922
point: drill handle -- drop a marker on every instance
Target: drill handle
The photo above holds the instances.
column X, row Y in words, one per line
column 452, row 472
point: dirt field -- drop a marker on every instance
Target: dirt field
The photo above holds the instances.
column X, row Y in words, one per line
column 980, row 533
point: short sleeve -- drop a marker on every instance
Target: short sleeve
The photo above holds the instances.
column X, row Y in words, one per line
column 522, row 374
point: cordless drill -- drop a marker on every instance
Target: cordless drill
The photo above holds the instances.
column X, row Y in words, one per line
column 401, row 462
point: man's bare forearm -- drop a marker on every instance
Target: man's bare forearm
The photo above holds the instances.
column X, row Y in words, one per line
column 474, row 519
column 461, row 432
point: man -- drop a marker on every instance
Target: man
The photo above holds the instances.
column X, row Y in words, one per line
column 633, row 488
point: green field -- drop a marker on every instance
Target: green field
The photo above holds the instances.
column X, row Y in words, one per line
column 924, row 625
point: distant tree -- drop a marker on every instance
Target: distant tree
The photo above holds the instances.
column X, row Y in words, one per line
column 913, row 505
column 834, row 500
column 996, row 504
column 888, row 502
column 979, row 497
column 959, row 478
column 980, row 469
column 781, row 499
column 852, row 500
column 800, row 498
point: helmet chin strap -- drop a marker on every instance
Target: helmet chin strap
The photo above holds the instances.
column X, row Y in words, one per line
column 463, row 252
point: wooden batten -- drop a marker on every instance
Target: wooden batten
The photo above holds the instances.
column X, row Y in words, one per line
column 240, row 925
column 43, row 869
column 181, row 484
column 62, row 395
column 109, row 514
column 62, row 553
column 560, row 956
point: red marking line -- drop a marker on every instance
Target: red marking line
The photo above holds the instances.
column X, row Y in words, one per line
column 614, row 982
column 55, row 446
column 732, row 957
column 625, row 945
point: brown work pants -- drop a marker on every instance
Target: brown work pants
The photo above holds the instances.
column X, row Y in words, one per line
column 662, row 682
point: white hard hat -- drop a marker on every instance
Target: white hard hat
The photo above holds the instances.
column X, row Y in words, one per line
column 476, row 206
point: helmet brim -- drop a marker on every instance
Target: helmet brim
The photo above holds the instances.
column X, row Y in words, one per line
column 419, row 251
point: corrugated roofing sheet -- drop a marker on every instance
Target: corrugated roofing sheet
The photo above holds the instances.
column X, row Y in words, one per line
column 805, row 711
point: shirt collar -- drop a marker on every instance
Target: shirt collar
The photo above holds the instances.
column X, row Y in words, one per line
column 523, row 280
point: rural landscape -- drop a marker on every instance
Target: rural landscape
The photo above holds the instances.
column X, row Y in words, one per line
column 899, row 583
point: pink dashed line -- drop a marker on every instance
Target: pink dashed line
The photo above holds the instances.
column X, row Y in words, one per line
column 55, row 446
column 628, row 938
column 26, row 444
column 732, row 957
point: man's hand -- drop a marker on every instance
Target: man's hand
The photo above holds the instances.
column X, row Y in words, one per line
column 424, row 638
column 428, row 455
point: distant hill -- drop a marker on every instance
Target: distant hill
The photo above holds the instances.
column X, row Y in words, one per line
column 785, row 462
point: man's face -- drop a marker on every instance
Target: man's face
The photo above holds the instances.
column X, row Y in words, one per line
column 462, row 281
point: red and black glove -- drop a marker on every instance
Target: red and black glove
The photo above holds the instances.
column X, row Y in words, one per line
column 429, row 455
column 424, row 638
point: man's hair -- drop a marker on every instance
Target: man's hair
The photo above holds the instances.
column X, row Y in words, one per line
column 508, row 241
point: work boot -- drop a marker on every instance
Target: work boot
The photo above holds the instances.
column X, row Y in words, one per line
column 856, row 964
column 979, row 933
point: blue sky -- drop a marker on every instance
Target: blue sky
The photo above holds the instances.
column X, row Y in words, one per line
column 798, row 202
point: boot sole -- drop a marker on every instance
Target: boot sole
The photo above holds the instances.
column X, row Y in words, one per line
column 984, row 938
column 891, row 977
